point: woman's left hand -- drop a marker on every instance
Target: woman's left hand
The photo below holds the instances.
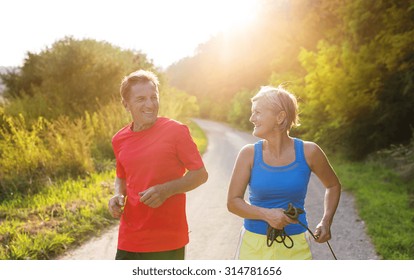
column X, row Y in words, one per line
column 322, row 232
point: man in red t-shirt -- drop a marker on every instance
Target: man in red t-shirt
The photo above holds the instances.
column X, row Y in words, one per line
column 157, row 162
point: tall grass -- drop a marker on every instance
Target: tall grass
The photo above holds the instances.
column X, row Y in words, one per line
column 24, row 156
column 59, row 216
column 32, row 154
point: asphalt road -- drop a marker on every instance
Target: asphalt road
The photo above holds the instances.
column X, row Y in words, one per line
column 214, row 232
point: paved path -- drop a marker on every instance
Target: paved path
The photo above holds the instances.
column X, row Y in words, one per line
column 214, row 232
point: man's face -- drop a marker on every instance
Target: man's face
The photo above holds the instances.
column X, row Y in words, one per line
column 143, row 104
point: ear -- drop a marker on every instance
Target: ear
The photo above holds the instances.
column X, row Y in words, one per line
column 281, row 117
column 125, row 104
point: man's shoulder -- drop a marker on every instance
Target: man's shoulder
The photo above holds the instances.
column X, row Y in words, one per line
column 172, row 124
column 122, row 132
column 165, row 120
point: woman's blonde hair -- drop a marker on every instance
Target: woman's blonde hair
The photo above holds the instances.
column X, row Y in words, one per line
column 280, row 100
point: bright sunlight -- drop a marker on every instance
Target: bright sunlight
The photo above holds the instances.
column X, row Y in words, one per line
column 165, row 30
column 232, row 14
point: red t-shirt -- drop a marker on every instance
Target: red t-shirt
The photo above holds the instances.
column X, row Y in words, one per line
column 146, row 158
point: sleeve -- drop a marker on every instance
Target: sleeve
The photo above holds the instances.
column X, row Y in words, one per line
column 187, row 150
column 120, row 171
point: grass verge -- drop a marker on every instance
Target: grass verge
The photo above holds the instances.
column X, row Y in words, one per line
column 198, row 136
column 384, row 202
column 61, row 215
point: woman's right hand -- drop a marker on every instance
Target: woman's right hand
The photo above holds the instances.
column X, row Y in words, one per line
column 116, row 205
column 276, row 218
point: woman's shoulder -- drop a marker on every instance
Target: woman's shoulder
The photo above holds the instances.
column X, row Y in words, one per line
column 310, row 146
column 312, row 151
column 246, row 155
column 247, row 150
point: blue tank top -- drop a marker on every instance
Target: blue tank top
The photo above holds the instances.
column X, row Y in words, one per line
column 277, row 186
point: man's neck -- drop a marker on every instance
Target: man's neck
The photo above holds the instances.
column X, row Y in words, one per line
column 136, row 127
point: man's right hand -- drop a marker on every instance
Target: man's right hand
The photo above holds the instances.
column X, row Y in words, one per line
column 115, row 205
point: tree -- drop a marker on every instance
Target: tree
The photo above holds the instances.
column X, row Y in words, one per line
column 240, row 109
column 359, row 86
column 71, row 77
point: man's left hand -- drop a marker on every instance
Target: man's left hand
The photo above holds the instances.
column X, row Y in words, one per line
column 154, row 196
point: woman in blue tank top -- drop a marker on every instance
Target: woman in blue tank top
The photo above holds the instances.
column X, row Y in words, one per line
column 277, row 170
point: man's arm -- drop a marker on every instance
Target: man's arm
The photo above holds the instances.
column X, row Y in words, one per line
column 117, row 201
column 156, row 195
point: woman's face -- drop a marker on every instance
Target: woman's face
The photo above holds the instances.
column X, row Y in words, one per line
column 264, row 118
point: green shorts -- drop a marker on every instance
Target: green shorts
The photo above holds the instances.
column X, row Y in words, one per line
column 253, row 246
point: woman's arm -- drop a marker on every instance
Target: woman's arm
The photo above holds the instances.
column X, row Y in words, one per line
column 237, row 188
column 320, row 165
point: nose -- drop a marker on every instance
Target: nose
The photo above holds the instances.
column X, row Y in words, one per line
column 252, row 119
column 149, row 103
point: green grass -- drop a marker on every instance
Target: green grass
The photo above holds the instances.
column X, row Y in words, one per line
column 61, row 215
column 199, row 136
column 384, row 202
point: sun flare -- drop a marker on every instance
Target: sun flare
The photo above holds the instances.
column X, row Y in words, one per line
column 168, row 30
column 232, row 14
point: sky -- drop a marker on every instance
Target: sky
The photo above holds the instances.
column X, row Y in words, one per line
column 165, row 30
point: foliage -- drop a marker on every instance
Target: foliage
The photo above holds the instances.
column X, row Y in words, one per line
column 359, row 87
column 177, row 104
column 400, row 158
column 32, row 156
column 74, row 76
column 351, row 64
column 23, row 156
column 70, row 77
column 240, row 108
